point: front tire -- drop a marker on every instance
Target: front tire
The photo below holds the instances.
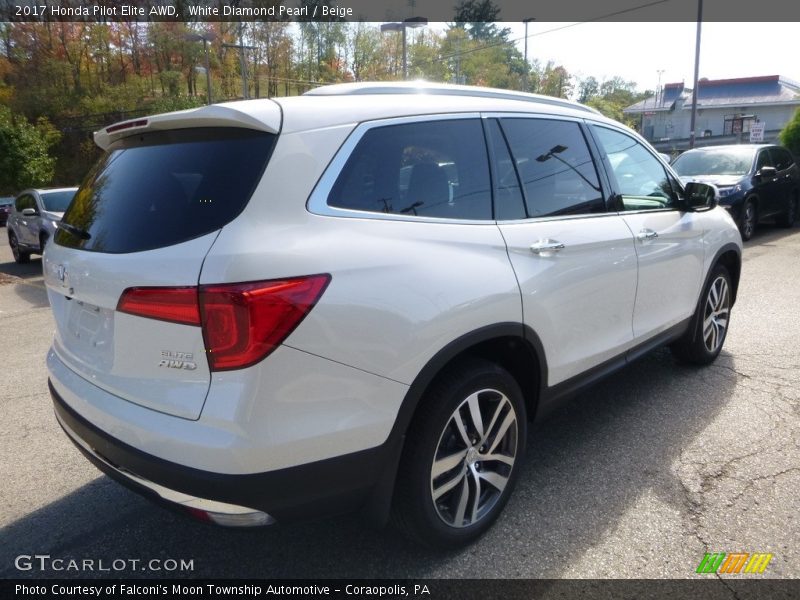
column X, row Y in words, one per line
column 747, row 226
column 703, row 341
column 20, row 256
column 462, row 455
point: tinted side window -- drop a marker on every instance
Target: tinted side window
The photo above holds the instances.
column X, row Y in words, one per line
column 763, row 160
column 641, row 180
column 782, row 158
column 25, row 201
column 162, row 188
column 428, row 169
column 555, row 167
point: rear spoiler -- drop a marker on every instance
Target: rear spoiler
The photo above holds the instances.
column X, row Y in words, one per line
column 261, row 115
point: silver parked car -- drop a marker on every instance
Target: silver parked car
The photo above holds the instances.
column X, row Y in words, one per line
column 33, row 220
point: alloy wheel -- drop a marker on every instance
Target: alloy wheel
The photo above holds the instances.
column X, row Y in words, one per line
column 748, row 221
column 717, row 311
column 474, row 458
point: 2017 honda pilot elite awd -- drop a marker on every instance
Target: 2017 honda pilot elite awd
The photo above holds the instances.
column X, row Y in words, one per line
column 360, row 297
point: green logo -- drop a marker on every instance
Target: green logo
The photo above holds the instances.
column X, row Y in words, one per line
column 733, row 562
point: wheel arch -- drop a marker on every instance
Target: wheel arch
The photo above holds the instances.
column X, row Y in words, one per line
column 730, row 257
column 513, row 346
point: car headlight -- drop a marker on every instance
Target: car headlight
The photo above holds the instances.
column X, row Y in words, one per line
column 724, row 192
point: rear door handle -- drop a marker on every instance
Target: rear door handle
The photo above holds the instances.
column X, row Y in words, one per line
column 547, row 246
column 646, row 234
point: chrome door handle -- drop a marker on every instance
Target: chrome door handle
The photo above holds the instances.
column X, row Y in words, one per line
column 547, row 247
column 646, row 234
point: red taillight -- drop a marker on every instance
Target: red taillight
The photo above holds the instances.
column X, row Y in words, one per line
column 242, row 322
column 174, row 304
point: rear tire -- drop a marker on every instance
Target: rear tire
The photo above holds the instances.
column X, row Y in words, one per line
column 702, row 343
column 788, row 218
column 747, row 225
column 462, row 455
column 20, row 256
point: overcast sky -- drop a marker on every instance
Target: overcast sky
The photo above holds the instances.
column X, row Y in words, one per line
column 637, row 51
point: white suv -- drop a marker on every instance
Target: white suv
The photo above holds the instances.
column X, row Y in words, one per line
column 361, row 296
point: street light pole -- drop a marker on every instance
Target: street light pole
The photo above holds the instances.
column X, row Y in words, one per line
column 208, row 72
column 405, row 55
column 205, row 36
column 412, row 22
column 527, row 66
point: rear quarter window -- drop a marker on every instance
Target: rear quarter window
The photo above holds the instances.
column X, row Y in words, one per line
column 162, row 188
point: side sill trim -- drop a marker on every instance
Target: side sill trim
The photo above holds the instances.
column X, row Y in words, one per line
column 554, row 396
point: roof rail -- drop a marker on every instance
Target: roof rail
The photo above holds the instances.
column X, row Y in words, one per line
column 441, row 89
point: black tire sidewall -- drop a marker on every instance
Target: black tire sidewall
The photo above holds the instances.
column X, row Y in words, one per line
column 746, row 204
column 444, row 398
column 699, row 340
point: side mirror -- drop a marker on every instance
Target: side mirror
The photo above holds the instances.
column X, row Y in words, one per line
column 29, row 212
column 767, row 172
column 701, row 196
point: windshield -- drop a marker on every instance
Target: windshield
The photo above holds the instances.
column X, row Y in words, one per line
column 57, row 201
column 714, row 162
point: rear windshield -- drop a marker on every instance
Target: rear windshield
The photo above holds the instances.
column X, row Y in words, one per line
column 57, row 201
column 162, row 188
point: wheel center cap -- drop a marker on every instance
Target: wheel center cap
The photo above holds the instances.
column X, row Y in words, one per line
column 472, row 456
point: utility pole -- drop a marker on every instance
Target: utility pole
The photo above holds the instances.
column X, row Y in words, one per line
column 696, row 74
column 658, row 87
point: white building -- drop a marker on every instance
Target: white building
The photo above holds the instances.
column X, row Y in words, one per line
column 726, row 108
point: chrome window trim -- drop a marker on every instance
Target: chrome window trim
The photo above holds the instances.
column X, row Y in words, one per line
column 318, row 200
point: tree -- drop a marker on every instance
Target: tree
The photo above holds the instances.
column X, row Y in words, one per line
column 790, row 136
column 478, row 17
column 587, row 88
column 24, row 152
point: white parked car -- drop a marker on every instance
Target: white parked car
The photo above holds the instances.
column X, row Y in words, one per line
column 359, row 298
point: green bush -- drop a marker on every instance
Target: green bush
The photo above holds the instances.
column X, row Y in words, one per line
column 790, row 136
column 25, row 159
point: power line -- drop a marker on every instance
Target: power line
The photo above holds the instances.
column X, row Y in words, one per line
column 532, row 35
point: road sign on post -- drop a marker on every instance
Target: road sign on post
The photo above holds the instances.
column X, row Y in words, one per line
column 756, row 132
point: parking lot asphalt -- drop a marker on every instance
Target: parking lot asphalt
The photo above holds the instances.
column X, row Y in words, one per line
column 637, row 477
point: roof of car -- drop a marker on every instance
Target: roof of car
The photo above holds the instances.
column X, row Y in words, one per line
column 355, row 102
column 346, row 104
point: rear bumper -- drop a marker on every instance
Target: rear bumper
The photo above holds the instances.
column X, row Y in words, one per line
column 321, row 488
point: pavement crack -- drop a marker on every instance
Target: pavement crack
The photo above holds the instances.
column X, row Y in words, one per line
column 732, row 369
